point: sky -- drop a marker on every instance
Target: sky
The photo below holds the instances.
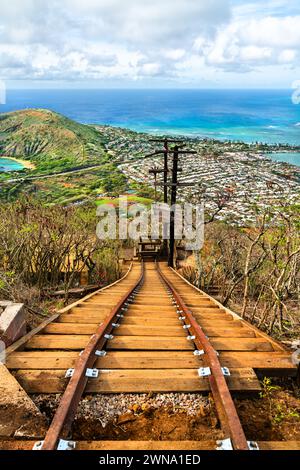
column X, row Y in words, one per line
column 149, row 43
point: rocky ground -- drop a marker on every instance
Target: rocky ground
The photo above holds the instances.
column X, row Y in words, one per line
column 273, row 415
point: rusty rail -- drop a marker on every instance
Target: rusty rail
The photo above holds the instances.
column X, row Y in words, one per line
column 66, row 410
column 225, row 407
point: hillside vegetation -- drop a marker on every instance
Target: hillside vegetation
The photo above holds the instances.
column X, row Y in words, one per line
column 255, row 270
column 48, row 139
column 56, row 144
column 44, row 248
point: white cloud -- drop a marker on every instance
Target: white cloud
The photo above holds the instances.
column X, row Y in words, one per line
column 287, row 56
column 272, row 32
column 149, row 22
column 255, row 54
column 102, row 38
column 174, row 54
column 245, row 43
column 186, row 41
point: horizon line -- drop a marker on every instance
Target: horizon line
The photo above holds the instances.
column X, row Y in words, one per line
column 148, row 89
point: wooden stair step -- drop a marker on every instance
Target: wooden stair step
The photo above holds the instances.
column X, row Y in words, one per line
column 128, row 330
column 129, row 445
column 150, row 343
column 136, row 381
column 277, row 363
column 89, row 318
column 220, row 344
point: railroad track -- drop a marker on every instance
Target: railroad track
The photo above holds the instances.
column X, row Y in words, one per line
column 151, row 331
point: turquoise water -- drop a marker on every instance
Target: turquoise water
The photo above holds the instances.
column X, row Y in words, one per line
column 288, row 157
column 9, row 165
column 267, row 116
column 249, row 115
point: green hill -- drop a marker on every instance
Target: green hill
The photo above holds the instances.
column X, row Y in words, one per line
column 49, row 140
column 72, row 164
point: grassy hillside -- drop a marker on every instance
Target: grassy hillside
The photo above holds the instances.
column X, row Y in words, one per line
column 50, row 140
column 56, row 144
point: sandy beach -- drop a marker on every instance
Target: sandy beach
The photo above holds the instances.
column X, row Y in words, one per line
column 25, row 163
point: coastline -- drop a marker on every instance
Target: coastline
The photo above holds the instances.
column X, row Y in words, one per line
column 26, row 164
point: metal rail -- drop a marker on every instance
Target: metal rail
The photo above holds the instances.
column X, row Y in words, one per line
column 226, row 410
column 66, row 410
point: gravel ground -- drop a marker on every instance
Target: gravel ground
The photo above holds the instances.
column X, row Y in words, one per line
column 107, row 408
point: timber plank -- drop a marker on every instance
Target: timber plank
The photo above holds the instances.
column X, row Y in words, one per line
column 277, row 364
column 149, row 445
column 71, row 328
column 129, row 330
column 136, row 381
column 241, row 344
column 133, row 320
column 154, row 321
column 69, row 318
column 133, row 330
column 229, row 332
column 113, row 360
column 220, row 344
column 58, row 342
column 148, row 343
column 118, row 342
column 88, row 309
column 152, row 308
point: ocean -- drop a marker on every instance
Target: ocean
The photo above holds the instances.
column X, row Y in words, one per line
column 7, row 165
column 247, row 115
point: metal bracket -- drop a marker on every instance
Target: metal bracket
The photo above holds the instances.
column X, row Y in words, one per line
column 38, row 445
column 204, row 371
column 108, row 337
column 69, row 373
column 120, row 315
column 225, row 444
column 186, row 327
column 92, row 373
column 66, row 445
column 181, row 318
column 252, row 445
column 100, row 353
column 225, row 371
column 190, row 338
column 115, row 325
column 199, row 352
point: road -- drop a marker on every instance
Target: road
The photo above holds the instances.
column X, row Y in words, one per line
column 52, row 175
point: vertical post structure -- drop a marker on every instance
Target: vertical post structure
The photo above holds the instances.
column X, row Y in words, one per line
column 155, row 186
column 165, row 152
column 173, row 202
column 166, row 171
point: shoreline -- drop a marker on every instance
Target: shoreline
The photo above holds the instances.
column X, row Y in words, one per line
column 273, row 147
column 26, row 164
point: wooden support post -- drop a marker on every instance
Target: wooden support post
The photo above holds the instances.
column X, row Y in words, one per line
column 173, row 202
column 166, row 170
